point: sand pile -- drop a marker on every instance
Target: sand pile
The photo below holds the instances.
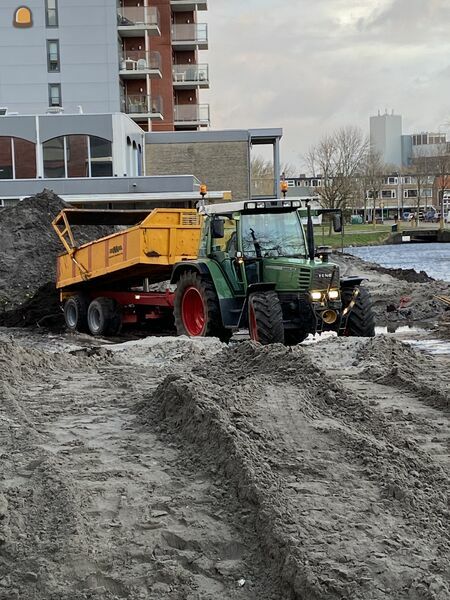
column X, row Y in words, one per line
column 398, row 294
column 28, row 250
column 385, row 359
column 343, row 502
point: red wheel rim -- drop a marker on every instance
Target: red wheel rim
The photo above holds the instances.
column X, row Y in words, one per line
column 253, row 327
column 193, row 312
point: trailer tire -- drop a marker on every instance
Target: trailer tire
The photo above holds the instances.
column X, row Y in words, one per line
column 197, row 309
column 361, row 320
column 104, row 317
column 265, row 318
column 75, row 313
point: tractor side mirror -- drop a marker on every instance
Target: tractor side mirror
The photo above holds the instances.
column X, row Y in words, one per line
column 217, row 228
column 337, row 223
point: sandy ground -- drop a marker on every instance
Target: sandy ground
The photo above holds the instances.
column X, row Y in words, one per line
column 190, row 470
column 180, row 469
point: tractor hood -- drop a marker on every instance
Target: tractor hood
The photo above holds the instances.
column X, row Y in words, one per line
column 300, row 275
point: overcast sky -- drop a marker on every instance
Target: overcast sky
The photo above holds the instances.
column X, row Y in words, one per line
column 310, row 66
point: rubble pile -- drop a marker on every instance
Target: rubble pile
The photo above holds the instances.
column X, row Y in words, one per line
column 28, row 251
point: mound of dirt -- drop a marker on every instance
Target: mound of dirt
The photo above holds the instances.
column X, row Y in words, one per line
column 344, row 503
column 386, row 359
column 398, row 294
column 28, row 251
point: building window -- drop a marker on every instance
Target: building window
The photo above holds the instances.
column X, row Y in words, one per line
column 77, row 156
column 53, row 65
column 17, row 158
column 6, row 160
column 24, row 153
column 410, row 193
column 54, row 94
column 100, row 157
column 77, row 147
column 54, row 163
column 51, row 13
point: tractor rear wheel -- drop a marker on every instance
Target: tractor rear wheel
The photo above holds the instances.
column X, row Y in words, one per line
column 104, row 317
column 75, row 313
column 361, row 320
column 265, row 318
column 197, row 309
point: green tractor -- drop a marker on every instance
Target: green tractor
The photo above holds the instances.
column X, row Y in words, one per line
column 258, row 269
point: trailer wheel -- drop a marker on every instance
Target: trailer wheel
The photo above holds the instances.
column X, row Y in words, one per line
column 197, row 309
column 265, row 318
column 104, row 317
column 75, row 313
column 361, row 320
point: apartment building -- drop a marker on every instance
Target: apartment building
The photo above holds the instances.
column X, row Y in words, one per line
column 140, row 57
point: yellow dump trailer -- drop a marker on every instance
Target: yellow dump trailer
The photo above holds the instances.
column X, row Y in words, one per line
column 147, row 249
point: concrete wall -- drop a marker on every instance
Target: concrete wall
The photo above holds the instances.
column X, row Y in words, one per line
column 386, row 137
column 87, row 35
column 223, row 165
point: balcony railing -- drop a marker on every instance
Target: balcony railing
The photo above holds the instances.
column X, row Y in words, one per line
column 135, row 16
column 196, row 33
column 188, row 5
column 141, row 104
column 196, row 74
column 135, row 61
column 192, row 113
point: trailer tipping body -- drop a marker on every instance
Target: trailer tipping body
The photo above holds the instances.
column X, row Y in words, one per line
column 148, row 249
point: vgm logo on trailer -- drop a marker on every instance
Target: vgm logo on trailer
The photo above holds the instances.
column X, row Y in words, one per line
column 23, row 17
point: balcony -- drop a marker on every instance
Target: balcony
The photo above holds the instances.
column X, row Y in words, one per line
column 188, row 5
column 137, row 64
column 134, row 21
column 191, row 115
column 190, row 36
column 190, row 76
column 141, row 107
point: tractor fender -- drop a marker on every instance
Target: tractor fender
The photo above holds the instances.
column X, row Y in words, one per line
column 180, row 268
column 350, row 282
column 260, row 287
column 230, row 305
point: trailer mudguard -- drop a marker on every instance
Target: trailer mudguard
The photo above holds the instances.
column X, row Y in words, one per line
column 230, row 305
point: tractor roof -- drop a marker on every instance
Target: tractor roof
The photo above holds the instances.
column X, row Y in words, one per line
column 264, row 204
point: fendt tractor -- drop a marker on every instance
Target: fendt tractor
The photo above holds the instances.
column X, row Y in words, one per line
column 227, row 267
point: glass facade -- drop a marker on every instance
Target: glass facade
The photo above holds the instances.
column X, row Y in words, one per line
column 17, row 158
column 77, row 156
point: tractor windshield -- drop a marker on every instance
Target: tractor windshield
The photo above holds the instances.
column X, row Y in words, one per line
column 272, row 234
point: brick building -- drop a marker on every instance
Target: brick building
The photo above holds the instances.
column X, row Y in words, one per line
column 140, row 57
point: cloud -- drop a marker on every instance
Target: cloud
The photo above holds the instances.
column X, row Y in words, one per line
column 311, row 66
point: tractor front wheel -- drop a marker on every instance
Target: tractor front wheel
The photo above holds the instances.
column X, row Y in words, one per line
column 265, row 318
column 361, row 320
column 197, row 309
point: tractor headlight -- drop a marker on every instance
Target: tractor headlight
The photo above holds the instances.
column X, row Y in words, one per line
column 316, row 296
column 296, row 204
column 250, row 205
column 333, row 294
column 261, row 205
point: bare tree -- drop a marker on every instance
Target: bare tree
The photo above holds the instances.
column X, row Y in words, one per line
column 420, row 171
column 372, row 174
column 441, row 168
column 337, row 159
column 263, row 174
